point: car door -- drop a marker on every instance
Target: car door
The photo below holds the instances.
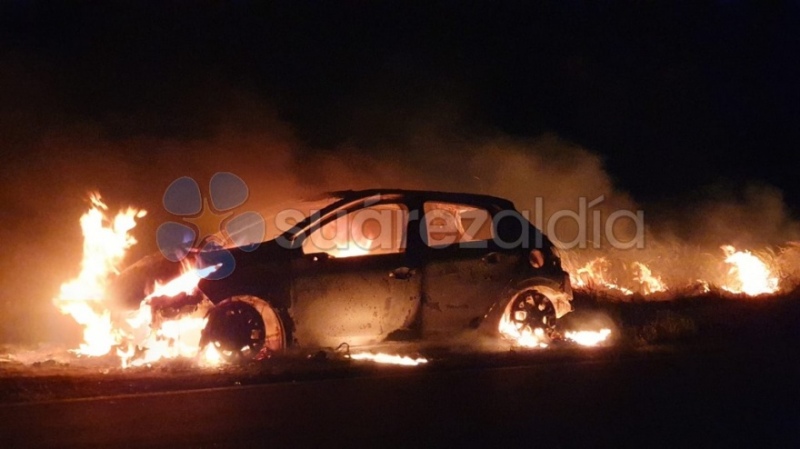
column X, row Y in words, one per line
column 465, row 271
column 351, row 282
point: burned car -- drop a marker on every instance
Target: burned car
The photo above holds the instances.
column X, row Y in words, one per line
column 376, row 266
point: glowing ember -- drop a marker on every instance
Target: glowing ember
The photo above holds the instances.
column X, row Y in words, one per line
column 388, row 359
column 104, row 246
column 588, row 338
column 649, row 283
column 750, row 275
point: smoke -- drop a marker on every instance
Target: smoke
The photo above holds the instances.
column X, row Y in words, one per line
column 51, row 162
column 753, row 215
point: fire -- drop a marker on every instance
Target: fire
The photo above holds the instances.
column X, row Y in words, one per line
column 748, row 274
column 351, row 250
column 185, row 283
column 169, row 339
column 388, row 358
column 526, row 337
column 210, row 357
column 145, row 336
column 104, row 246
column 595, row 275
column 522, row 335
column 172, row 339
column 649, row 283
column 138, row 337
column 588, row 338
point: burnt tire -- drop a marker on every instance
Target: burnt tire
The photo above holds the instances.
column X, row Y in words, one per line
column 242, row 328
column 530, row 310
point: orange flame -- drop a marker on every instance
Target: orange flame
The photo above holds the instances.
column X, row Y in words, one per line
column 748, row 273
column 384, row 358
column 588, row 338
column 186, row 283
column 649, row 283
column 137, row 338
column 104, row 246
column 169, row 339
column 595, row 275
column 521, row 335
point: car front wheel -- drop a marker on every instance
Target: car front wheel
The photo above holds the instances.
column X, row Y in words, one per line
column 244, row 327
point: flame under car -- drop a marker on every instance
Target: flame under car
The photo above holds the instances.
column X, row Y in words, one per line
column 384, row 265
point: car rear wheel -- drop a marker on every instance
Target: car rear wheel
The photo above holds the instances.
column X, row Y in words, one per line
column 530, row 312
column 244, row 327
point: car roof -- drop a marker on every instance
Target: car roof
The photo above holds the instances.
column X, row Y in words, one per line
column 427, row 195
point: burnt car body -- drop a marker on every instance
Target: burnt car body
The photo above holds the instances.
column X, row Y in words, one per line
column 386, row 265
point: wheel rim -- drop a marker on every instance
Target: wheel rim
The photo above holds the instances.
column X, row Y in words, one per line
column 236, row 329
column 532, row 309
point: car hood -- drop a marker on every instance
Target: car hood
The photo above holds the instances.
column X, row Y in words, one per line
column 134, row 283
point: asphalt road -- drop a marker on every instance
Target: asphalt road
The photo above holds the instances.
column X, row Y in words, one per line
column 716, row 399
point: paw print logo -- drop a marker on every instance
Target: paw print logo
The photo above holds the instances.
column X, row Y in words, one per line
column 209, row 227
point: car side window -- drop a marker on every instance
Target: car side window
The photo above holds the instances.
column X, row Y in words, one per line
column 374, row 230
column 449, row 223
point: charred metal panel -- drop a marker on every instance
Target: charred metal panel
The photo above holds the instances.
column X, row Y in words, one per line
column 357, row 300
column 264, row 274
column 461, row 285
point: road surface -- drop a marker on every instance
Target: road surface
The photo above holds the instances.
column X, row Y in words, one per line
column 723, row 399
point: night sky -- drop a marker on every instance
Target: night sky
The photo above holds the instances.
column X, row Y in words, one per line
column 673, row 98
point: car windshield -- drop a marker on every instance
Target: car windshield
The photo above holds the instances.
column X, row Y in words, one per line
column 271, row 221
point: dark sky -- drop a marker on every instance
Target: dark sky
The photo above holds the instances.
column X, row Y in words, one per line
column 672, row 97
